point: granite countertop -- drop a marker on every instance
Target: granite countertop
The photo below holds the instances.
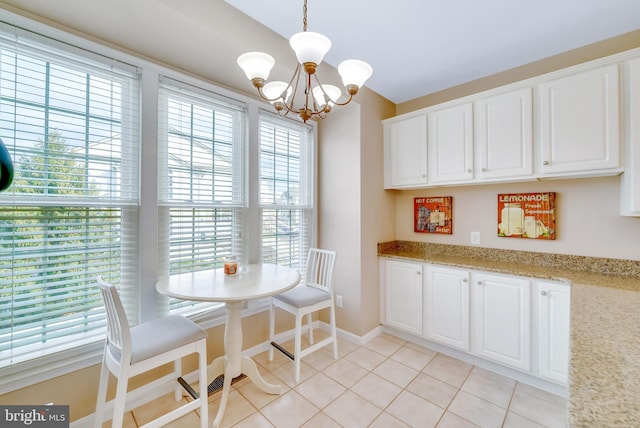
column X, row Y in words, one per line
column 604, row 369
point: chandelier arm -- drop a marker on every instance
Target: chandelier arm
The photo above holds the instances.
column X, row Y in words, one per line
column 346, row 102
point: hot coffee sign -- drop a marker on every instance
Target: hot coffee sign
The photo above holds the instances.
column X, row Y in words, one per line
column 433, row 214
column 527, row 215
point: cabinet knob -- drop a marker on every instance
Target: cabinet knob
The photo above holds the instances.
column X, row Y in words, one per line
column 424, row 175
column 418, row 273
column 484, row 169
column 479, row 282
column 469, row 171
column 545, row 163
column 544, row 293
column 465, row 280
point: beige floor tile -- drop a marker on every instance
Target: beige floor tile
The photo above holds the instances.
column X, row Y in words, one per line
column 289, row 410
column 415, row 411
column 365, row 358
column 257, row 397
column 285, row 373
column 490, row 388
column 396, row 372
column 345, row 372
column 410, row 357
column 479, row 371
column 383, row 345
column 376, row 390
column 321, row 420
column 477, row 410
column 320, row 390
column 320, row 359
column 345, row 347
column 238, row 408
column 431, row 389
column 450, row 420
column 256, row 420
column 191, row 420
column 127, row 421
column 539, row 406
column 420, row 348
column 278, row 359
column 351, row 410
column 385, row 420
column 514, row 420
column 392, row 338
column 448, row 369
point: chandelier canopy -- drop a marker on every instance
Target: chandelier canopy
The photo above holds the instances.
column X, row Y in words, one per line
column 315, row 99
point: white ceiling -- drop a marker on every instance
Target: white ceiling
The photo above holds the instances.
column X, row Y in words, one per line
column 417, row 47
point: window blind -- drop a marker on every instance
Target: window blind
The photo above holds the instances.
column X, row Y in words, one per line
column 286, row 184
column 201, row 182
column 71, row 126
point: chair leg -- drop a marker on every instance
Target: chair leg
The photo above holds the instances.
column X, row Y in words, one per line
column 272, row 328
column 297, row 346
column 334, row 335
column 177, row 372
column 102, row 395
column 310, row 328
column 119, row 401
column 204, row 402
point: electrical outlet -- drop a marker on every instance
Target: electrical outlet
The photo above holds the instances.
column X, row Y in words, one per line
column 339, row 301
column 475, row 238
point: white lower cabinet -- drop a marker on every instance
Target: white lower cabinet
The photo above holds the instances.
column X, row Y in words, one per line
column 514, row 321
column 446, row 306
column 502, row 321
column 402, row 295
column 553, row 320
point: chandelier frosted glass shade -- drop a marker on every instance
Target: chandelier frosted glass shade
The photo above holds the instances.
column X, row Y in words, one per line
column 354, row 73
column 333, row 93
column 256, row 65
column 310, row 47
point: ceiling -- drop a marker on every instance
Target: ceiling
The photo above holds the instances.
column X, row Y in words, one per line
column 418, row 47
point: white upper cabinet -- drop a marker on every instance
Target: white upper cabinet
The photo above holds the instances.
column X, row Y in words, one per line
column 405, row 158
column 579, row 124
column 450, row 143
column 504, row 135
column 630, row 182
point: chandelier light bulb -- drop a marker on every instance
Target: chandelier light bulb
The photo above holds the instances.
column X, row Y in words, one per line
column 256, row 65
column 273, row 91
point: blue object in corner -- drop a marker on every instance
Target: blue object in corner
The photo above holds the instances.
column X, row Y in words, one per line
column 6, row 167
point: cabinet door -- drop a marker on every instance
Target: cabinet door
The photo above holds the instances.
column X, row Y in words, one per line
column 579, row 122
column 451, row 144
column 403, row 296
column 502, row 307
column 503, row 135
column 446, row 306
column 630, row 181
column 406, row 152
column 553, row 319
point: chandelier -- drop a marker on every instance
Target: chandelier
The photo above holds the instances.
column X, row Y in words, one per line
column 314, row 99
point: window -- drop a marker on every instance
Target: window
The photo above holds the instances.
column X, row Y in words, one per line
column 201, row 181
column 71, row 125
column 286, row 196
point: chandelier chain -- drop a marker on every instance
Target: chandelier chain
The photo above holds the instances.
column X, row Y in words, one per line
column 304, row 16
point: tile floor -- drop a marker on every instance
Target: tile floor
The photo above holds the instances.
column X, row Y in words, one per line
column 386, row 383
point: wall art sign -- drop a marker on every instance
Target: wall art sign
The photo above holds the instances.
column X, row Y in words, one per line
column 433, row 214
column 527, row 215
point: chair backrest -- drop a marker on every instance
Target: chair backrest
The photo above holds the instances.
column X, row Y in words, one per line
column 319, row 270
column 118, row 329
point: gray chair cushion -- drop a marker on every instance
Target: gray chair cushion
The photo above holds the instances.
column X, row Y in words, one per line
column 161, row 335
column 303, row 295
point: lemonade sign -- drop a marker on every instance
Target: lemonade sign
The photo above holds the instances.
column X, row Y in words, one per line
column 527, row 215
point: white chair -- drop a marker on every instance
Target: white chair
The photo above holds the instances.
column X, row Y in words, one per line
column 313, row 294
column 130, row 351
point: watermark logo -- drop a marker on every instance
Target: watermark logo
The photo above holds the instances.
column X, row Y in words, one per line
column 34, row 416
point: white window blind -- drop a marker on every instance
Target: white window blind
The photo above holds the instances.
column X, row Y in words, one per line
column 201, row 182
column 70, row 122
column 286, row 190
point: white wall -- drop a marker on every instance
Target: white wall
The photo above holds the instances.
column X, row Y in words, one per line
column 587, row 217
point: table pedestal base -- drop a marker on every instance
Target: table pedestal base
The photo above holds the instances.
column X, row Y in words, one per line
column 233, row 364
